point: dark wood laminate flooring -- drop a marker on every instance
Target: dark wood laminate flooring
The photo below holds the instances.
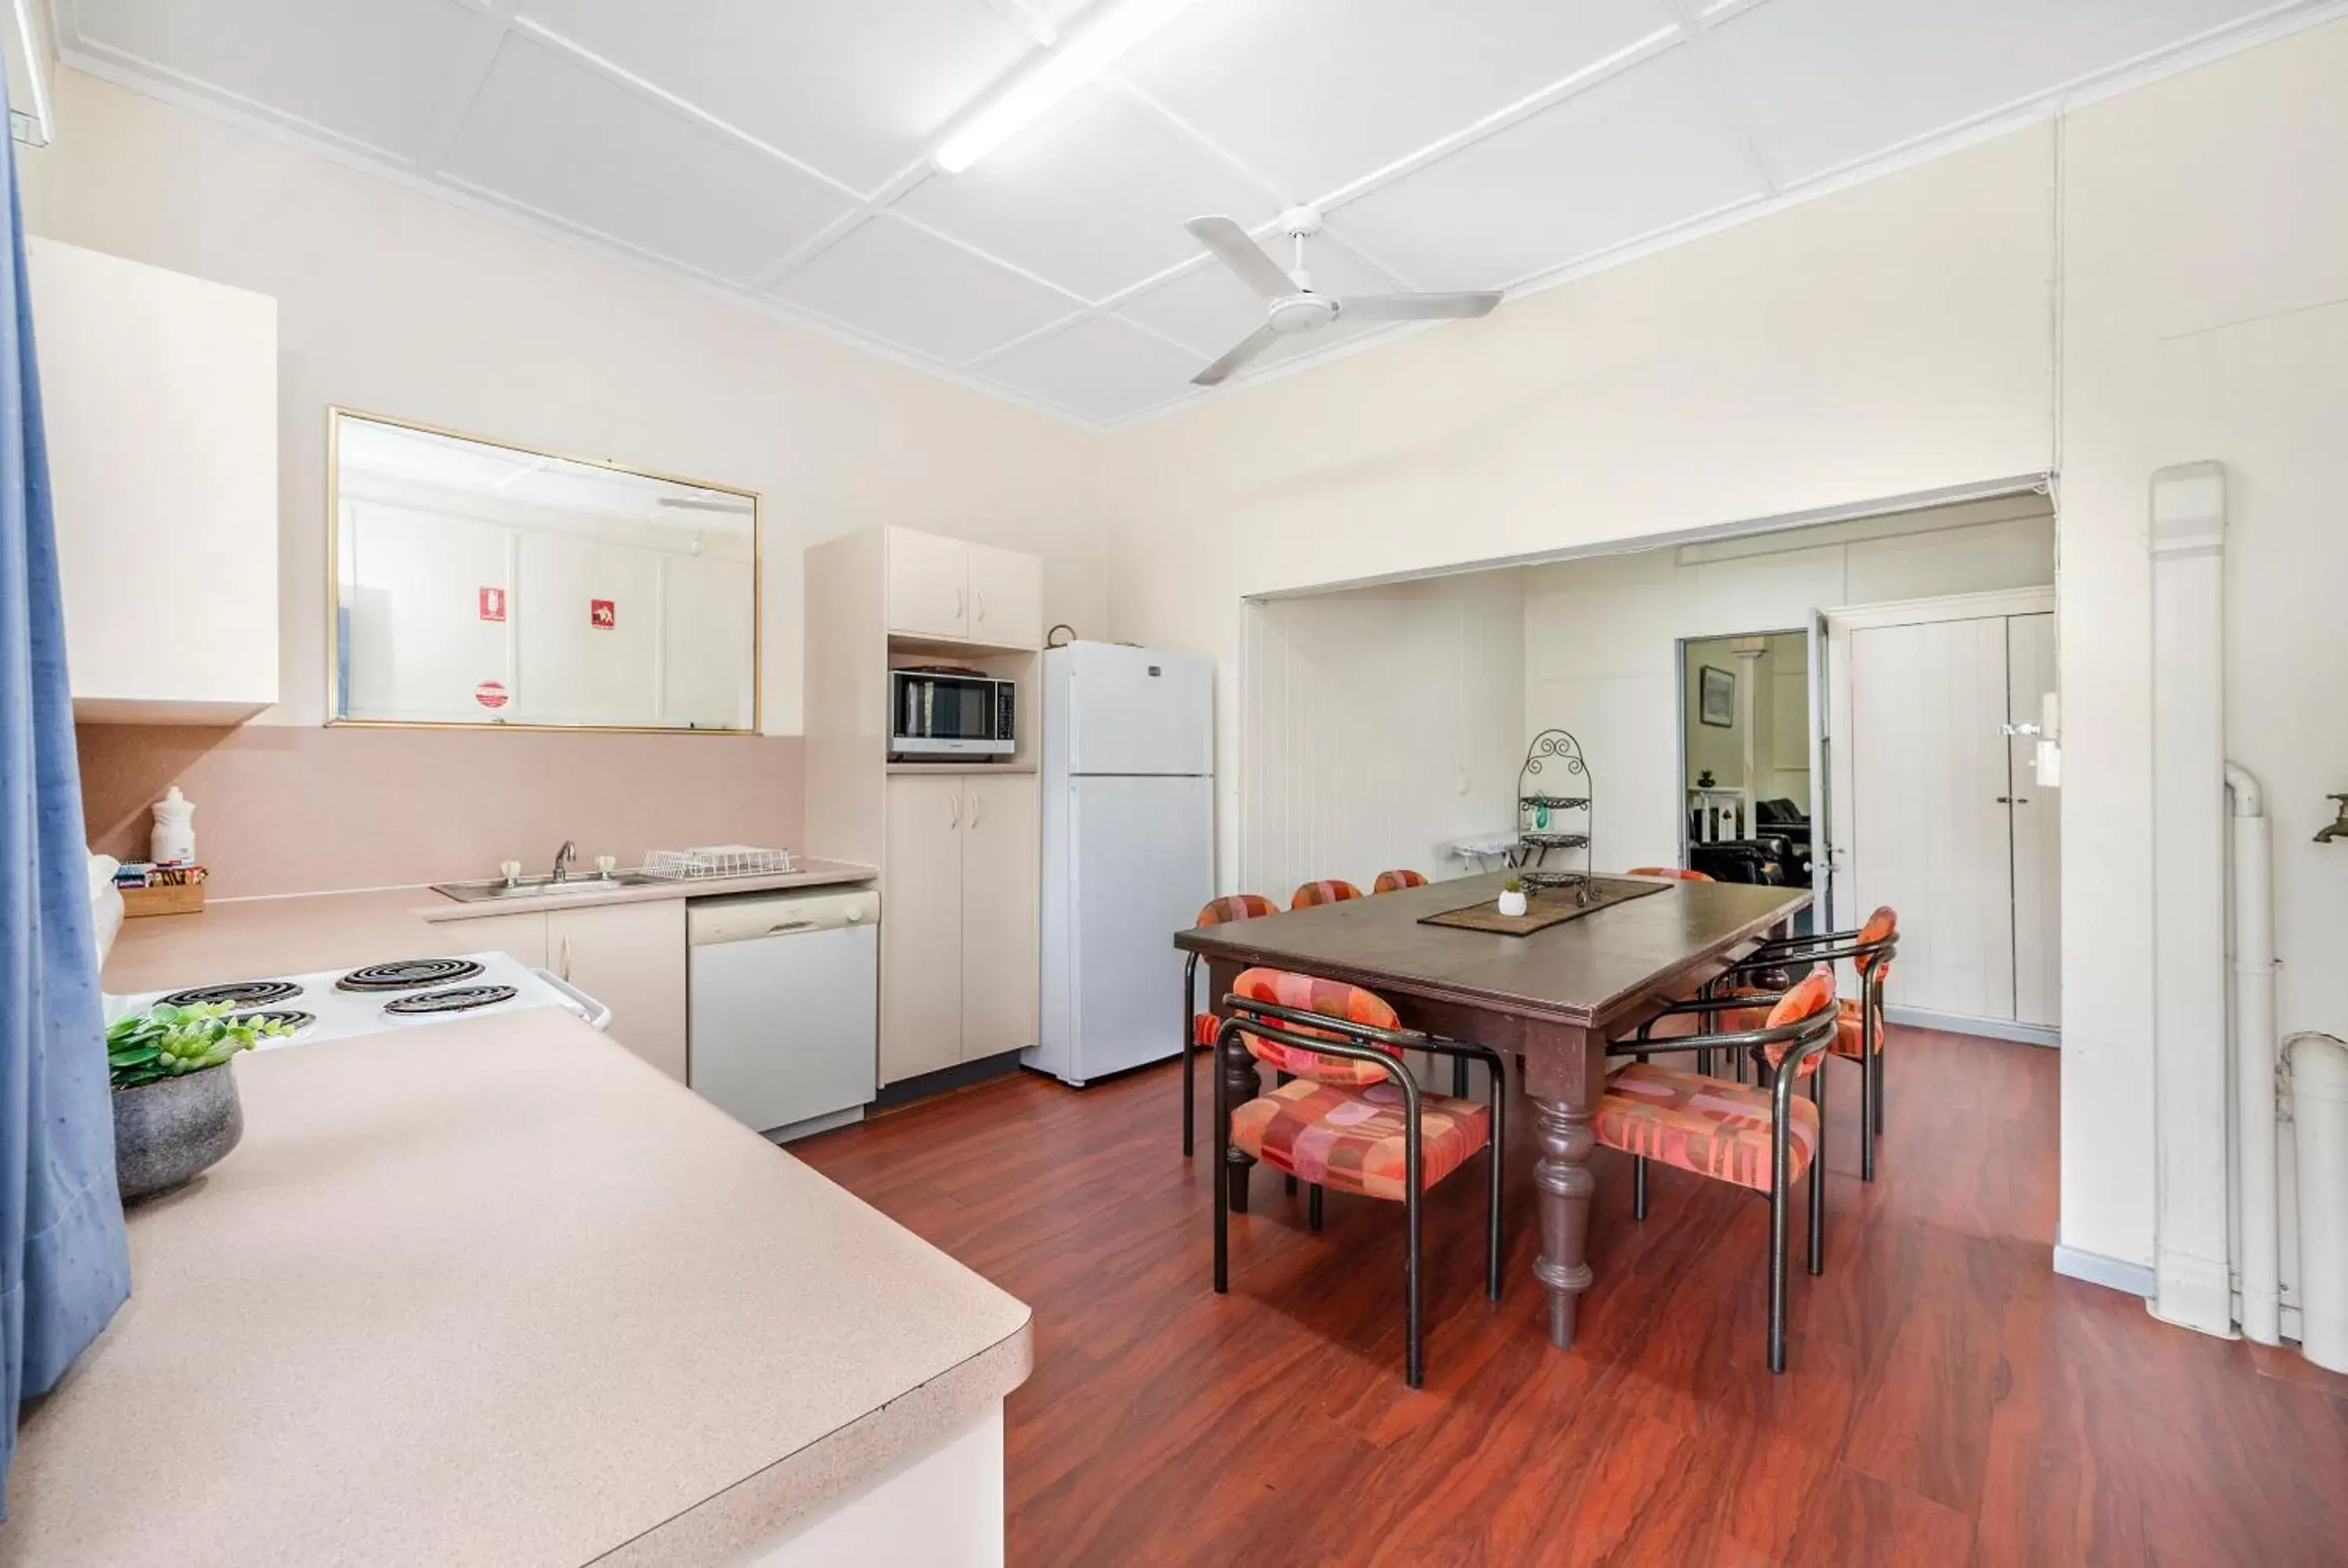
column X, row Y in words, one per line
column 1948, row 1398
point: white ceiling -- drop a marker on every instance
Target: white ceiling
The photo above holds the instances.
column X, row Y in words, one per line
column 776, row 149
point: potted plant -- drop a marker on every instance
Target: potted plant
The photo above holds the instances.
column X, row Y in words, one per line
column 1512, row 896
column 175, row 1107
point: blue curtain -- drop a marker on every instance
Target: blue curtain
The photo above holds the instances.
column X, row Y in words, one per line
column 64, row 1265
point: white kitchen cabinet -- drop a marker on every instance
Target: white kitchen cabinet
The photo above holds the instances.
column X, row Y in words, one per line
column 958, row 939
column 160, row 394
column 951, row 590
column 630, row 958
column 1000, row 876
column 521, row 937
column 929, row 585
column 1006, row 597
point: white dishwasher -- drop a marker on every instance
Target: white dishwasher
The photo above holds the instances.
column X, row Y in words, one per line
column 784, row 1006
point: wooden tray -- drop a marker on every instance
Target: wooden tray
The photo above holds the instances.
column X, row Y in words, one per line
column 163, row 898
column 1545, row 907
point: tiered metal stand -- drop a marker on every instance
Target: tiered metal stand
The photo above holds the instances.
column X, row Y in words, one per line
column 1554, row 815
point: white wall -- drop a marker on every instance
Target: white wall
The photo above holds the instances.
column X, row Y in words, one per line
column 2205, row 313
column 1377, row 725
column 1885, row 340
column 400, row 303
column 1601, row 638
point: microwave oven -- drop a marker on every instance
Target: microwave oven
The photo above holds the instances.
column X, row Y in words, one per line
column 940, row 714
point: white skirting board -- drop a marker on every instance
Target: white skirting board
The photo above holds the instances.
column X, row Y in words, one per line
column 1988, row 1027
column 2111, row 1273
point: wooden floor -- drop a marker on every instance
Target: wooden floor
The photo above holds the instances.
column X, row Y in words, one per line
column 1948, row 1399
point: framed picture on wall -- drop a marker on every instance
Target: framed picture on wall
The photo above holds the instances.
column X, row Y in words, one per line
column 1715, row 697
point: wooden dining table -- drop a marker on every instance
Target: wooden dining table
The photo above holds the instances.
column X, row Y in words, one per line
column 1554, row 998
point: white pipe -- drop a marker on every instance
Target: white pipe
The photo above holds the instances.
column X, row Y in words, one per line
column 2261, row 1238
column 2319, row 1076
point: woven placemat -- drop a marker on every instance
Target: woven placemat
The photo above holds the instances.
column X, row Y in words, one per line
column 1546, row 907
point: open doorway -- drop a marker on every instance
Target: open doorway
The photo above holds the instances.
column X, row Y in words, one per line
column 1746, row 749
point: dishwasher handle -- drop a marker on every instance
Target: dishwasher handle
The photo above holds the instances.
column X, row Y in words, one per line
column 751, row 916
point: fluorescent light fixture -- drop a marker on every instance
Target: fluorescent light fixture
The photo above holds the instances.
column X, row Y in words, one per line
column 1108, row 31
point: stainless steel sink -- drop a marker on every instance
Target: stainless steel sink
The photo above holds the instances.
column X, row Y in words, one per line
column 498, row 888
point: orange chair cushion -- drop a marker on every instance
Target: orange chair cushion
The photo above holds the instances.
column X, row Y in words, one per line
column 1395, row 881
column 1236, row 907
column 1330, row 998
column 1312, row 893
column 1350, row 1140
column 1708, row 1125
column 1883, row 923
column 1850, row 1029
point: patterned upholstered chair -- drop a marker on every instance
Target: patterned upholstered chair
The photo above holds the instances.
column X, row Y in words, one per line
column 1351, row 1116
column 1198, row 1028
column 1676, row 873
column 1860, row 1031
column 1314, row 893
column 1763, row 1138
column 1395, row 881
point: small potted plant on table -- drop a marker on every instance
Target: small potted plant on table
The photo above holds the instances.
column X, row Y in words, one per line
column 1512, row 897
column 175, row 1107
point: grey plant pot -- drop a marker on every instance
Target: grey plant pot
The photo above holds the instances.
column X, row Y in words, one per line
column 174, row 1129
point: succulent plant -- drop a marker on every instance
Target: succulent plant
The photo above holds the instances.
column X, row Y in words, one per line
column 169, row 1041
column 1513, row 885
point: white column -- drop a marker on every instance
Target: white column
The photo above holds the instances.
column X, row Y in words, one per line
column 2188, row 857
column 1749, row 651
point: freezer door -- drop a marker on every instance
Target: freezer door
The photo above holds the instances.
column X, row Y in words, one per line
column 1141, row 862
column 1138, row 710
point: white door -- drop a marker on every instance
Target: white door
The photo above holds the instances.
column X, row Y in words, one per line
column 1138, row 711
column 921, row 926
column 2037, row 829
column 1142, row 861
column 999, row 884
column 929, row 585
column 1006, row 597
column 1929, row 831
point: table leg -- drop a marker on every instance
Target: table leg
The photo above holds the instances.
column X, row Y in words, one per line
column 1565, row 1073
column 1240, row 1082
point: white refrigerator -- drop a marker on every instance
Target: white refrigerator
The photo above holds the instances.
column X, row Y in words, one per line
column 1129, row 782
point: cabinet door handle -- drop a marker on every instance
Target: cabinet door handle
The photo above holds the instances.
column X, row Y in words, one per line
column 953, row 811
column 975, row 800
column 980, row 594
column 958, row 601
column 2014, row 800
column 564, row 967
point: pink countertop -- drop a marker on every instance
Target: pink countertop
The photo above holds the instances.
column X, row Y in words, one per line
column 249, row 938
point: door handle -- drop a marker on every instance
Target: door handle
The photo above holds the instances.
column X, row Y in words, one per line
column 564, row 968
column 953, row 811
column 974, row 800
column 958, row 601
column 2014, row 800
column 980, row 594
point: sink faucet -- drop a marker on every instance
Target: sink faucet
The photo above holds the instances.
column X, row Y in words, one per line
column 562, row 857
column 2338, row 826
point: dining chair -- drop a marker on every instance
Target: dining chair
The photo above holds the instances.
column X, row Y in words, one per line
column 1859, row 1029
column 1312, row 893
column 1677, row 872
column 1351, row 1116
column 1396, row 880
column 1762, row 1137
column 1198, row 1028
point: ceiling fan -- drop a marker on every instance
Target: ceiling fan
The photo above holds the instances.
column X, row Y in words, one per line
column 1293, row 306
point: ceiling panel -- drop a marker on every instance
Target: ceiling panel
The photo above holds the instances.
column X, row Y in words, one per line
column 1210, row 309
column 1316, row 93
column 1824, row 83
column 856, row 91
column 1092, row 195
column 558, row 138
column 1101, row 368
column 367, row 69
column 1633, row 154
column 922, row 292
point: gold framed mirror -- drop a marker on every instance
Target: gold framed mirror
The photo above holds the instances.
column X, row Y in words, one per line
column 487, row 585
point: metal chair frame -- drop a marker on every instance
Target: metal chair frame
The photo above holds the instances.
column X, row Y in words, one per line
column 1824, row 947
column 1358, row 1042
column 1803, row 1039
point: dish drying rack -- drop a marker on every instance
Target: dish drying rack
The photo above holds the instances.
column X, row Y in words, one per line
column 715, row 860
column 1554, row 815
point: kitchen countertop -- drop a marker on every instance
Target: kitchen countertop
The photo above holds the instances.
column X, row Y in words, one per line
column 495, row 1292
column 249, row 938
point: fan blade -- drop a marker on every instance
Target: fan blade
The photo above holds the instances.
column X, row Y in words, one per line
column 1416, row 307
column 1230, row 244
column 1254, row 344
